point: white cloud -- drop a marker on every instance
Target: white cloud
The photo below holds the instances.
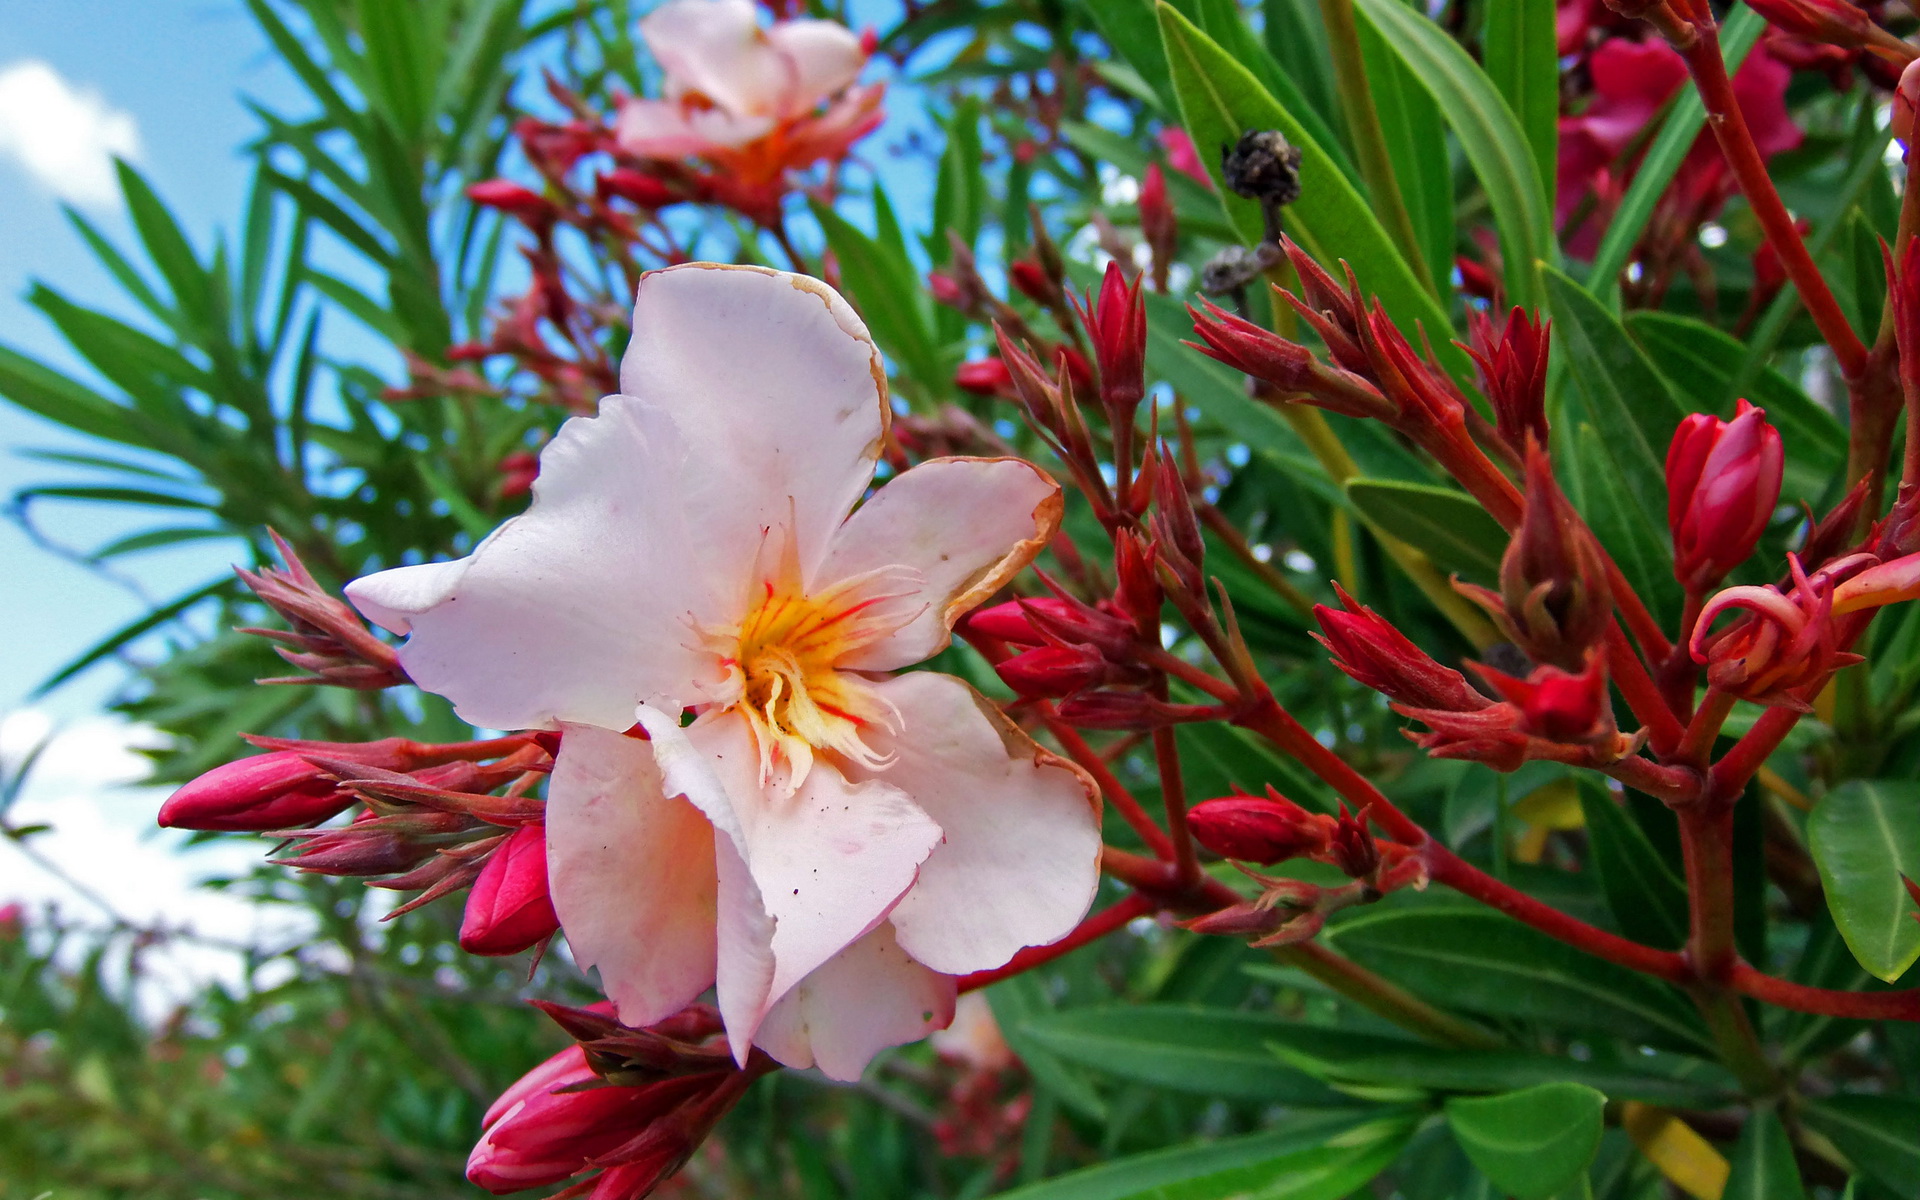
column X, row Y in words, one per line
column 86, row 787
column 65, row 137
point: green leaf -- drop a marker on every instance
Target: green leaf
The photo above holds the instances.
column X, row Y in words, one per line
column 1220, row 100
column 1531, row 1143
column 1223, row 21
column 1523, row 60
column 960, row 190
column 1704, row 364
column 1864, row 835
column 167, row 246
column 1130, row 28
column 1489, row 134
column 1738, row 32
column 1339, row 1168
column 1345, row 1057
column 882, row 285
column 1143, row 1174
column 1448, row 525
column 1879, row 1134
column 1208, row 1051
column 1485, row 962
column 1629, row 531
column 1763, row 1164
column 1646, row 899
column 1416, row 140
column 1019, row 1000
column 1626, row 399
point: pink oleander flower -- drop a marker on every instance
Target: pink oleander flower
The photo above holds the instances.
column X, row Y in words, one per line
column 752, row 103
column 1632, row 81
column 825, row 841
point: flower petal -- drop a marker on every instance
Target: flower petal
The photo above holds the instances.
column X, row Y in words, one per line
column 716, row 48
column 1012, row 509
column 826, row 57
column 579, row 608
column 866, row 998
column 632, row 875
column 828, row 862
column 744, row 973
column 778, row 388
column 1021, row 860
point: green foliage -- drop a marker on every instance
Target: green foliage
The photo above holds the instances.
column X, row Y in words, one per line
column 1533, row 1143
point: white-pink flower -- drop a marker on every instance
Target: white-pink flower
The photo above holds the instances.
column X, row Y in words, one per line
column 747, row 97
column 826, row 843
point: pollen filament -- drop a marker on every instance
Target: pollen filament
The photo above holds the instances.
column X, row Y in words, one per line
column 783, row 667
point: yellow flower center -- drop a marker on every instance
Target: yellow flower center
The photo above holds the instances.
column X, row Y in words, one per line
column 783, row 666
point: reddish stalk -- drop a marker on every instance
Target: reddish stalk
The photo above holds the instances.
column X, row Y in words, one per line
column 1095, row 927
column 1697, row 746
column 1444, row 866
column 1706, row 842
column 1664, row 730
column 1729, row 776
column 1864, row 1006
column 1116, row 792
column 1702, row 53
column 1173, row 792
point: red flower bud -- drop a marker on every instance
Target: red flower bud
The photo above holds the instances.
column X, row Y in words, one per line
column 1557, row 705
column 1116, row 324
column 13, row 921
column 1031, row 280
column 1047, row 671
column 1835, row 22
column 1287, row 366
column 1183, row 156
column 529, row 207
column 1723, row 480
column 1258, row 830
column 1158, row 224
column 984, row 377
column 537, row 1135
column 1370, row 650
column 1554, row 601
column 1906, row 98
column 509, row 909
column 1513, row 373
column 641, row 190
column 1353, row 849
column 945, row 289
column 252, row 795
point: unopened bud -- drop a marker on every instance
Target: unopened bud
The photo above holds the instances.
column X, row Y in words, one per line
column 1048, row 671
column 1011, row 621
column 984, row 377
column 1158, row 224
column 1835, row 22
column 1031, row 280
column 1262, row 166
column 529, row 207
column 1906, row 99
column 252, row 795
column 1556, row 705
column 1723, row 481
column 1354, row 851
column 1513, row 373
column 509, row 909
column 641, row 190
column 1370, row 650
column 1258, row 830
column 1554, row 601
column 1116, row 324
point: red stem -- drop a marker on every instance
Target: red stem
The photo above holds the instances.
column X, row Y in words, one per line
column 1706, row 842
column 1864, row 1006
column 1173, row 792
column 1702, row 53
column 1129, row 807
column 1664, row 730
column 1730, row 775
column 1444, row 866
column 1092, row 929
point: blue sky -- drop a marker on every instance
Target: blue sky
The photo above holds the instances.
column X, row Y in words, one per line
column 175, row 71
